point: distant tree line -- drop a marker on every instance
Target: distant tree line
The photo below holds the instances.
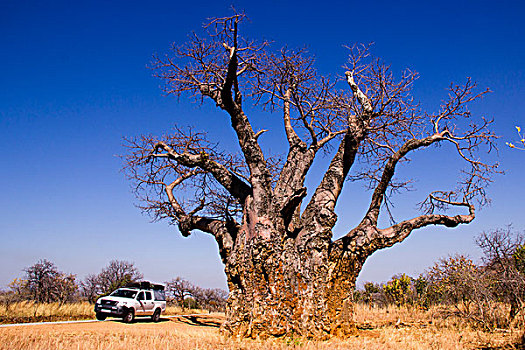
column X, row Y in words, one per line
column 43, row 282
column 490, row 294
column 186, row 295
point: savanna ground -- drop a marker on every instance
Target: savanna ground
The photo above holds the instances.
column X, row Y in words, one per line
column 378, row 328
column 28, row 311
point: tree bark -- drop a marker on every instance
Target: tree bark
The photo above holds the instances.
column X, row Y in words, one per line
column 276, row 290
column 281, row 285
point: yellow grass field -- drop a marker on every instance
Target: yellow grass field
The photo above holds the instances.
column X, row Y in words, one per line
column 387, row 328
column 26, row 311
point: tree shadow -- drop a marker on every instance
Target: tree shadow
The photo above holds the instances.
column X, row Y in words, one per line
column 142, row 320
column 203, row 321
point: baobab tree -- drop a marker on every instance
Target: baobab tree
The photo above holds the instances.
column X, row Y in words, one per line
column 286, row 274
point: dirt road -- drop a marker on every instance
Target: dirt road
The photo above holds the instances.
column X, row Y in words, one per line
column 187, row 317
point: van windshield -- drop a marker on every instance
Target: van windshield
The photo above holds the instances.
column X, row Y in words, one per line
column 124, row 293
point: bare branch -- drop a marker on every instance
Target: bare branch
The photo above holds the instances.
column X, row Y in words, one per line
column 179, row 212
column 361, row 97
column 259, row 133
column 399, row 232
column 291, row 135
column 212, row 68
column 321, row 207
column 185, row 162
column 226, row 178
column 471, row 188
column 389, row 170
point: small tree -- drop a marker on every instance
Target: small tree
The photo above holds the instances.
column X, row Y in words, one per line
column 519, row 258
column 44, row 283
column 422, row 297
column 8, row 297
column 90, row 288
column 398, row 289
column 117, row 274
column 210, row 299
column 369, row 293
column 40, row 279
column 19, row 287
column 66, row 287
column 453, row 279
column 178, row 289
column 468, row 288
column 504, row 258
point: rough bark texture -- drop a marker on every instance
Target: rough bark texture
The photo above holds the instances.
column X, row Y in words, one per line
column 277, row 288
column 286, row 274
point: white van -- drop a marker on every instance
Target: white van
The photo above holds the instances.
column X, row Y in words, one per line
column 136, row 299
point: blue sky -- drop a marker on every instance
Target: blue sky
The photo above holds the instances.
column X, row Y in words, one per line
column 74, row 81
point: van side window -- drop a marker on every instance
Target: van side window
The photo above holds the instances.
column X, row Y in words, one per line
column 141, row 296
column 159, row 295
column 148, row 295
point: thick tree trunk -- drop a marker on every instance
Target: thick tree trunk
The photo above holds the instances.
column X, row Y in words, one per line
column 279, row 288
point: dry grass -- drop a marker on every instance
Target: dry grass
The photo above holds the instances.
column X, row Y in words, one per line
column 386, row 328
column 431, row 329
column 26, row 311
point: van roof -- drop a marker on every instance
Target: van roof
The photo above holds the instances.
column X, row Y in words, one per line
column 144, row 285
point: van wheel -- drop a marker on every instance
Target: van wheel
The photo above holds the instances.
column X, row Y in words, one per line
column 129, row 316
column 100, row 316
column 156, row 316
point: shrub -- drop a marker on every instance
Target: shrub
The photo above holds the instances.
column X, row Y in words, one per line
column 398, row 290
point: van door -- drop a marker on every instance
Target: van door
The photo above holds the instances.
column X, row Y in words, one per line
column 149, row 305
column 141, row 309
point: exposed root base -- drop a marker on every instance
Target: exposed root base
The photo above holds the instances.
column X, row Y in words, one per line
column 340, row 331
